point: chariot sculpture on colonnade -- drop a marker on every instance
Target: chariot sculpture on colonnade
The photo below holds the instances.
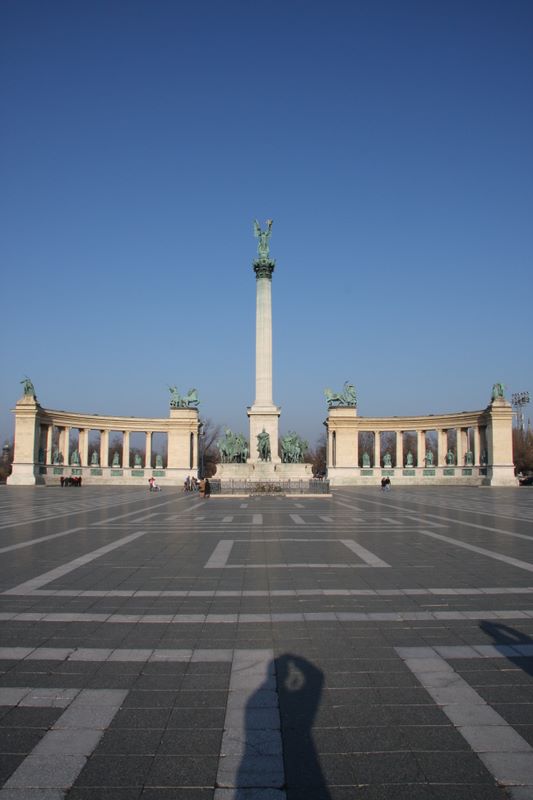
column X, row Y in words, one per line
column 189, row 400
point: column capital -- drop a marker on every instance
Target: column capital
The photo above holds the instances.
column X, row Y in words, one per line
column 264, row 268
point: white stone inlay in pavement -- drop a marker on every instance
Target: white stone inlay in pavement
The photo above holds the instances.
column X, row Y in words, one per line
column 453, row 520
column 514, row 562
column 58, row 572
column 221, row 553
column 31, row 542
column 57, row 760
column 240, row 618
column 229, row 518
column 365, row 555
column 326, row 519
column 257, row 519
column 297, row 519
column 251, row 754
column 507, row 756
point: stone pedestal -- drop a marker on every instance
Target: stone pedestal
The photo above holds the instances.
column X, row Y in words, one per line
column 25, row 460
column 264, row 418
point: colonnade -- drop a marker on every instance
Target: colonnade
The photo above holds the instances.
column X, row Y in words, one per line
column 41, row 456
column 46, row 449
column 481, row 452
column 470, row 448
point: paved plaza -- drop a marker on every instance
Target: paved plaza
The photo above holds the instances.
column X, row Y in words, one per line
column 366, row 645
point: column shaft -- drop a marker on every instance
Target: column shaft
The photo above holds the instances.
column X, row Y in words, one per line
column 442, row 438
column 263, row 342
column 148, row 448
column 477, row 446
column 104, row 448
column 125, row 449
column 65, row 444
column 49, row 444
column 459, row 446
column 84, row 447
column 399, row 449
column 420, row 448
column 377, row 450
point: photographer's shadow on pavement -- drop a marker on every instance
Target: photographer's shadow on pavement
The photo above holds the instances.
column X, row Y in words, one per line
column 507, row 640
column 291, row 759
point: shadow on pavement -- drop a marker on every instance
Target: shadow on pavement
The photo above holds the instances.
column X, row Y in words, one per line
column 299, row 687
column 505, row 637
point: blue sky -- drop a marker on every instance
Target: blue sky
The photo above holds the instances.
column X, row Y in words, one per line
column 391, row 142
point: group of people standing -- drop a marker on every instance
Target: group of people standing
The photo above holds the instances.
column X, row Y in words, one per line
column 192, row 485
column 74, row 481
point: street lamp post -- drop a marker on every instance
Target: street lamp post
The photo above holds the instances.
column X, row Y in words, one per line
column 519, row 400
column 201, row 438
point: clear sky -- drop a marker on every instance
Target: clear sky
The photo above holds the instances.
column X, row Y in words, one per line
column 391, row 142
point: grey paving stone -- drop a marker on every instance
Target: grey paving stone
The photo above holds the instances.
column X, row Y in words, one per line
column 183, row 771
column 115, row 771
column 45, row 772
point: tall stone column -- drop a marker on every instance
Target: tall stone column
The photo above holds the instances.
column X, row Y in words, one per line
column 104, row 448
column 148, row 450
column 49, row 444
column 442, row 446
column 263, row 414
column 421, row 448
column 477, row 446
column 125, row 449
column 83, row 446
column 399, row 449
column 377, row 450
column 65, row 444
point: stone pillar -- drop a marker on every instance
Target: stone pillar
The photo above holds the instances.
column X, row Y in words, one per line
column 194, row 450
column 399, row 449
column 64, row 444
column 356, row 449
column 442, row 447
column 377, row 450
column 148, row 448
column 477, row 446
column 420, row 448
column 25, row 457
column 263, row 336
column 84, row 446
column 126, row 449
column 49, row 444
column 460, row 443
column 329, row 454
column 264, row 415
column 499, row 434
column 104, row 448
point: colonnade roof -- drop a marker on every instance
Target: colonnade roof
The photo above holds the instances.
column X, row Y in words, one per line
column 115, row 423
column 427, row 422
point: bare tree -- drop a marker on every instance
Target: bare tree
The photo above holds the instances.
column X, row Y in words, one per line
column 523, row 450
column 208, row 454
column 317, row 455
column 6, row 459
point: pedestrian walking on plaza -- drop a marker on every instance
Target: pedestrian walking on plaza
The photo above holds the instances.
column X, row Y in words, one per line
column 207, row 489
